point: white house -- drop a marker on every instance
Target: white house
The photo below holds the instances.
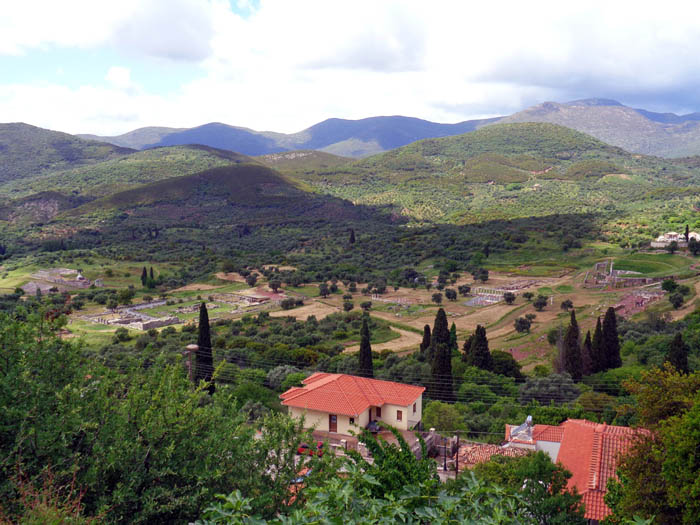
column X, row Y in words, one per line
column 340, row 402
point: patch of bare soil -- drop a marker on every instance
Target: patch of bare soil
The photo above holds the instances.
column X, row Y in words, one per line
column 196, row 287
column 232, row 276
column 318, row 309
column 406, row 341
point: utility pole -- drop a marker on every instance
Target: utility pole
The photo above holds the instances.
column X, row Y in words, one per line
column 457, row 458
column 190, row 350
column 444, row 455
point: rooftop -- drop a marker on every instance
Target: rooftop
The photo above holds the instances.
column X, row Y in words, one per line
column 588, row 450
column 348, row 395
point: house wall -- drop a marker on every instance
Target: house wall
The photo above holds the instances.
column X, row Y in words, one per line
column 550, row 447
column 319, row 420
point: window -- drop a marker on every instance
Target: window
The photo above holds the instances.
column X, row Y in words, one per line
column 379, row 411
column 414, row 408
column 399, row 415
column 352, row 420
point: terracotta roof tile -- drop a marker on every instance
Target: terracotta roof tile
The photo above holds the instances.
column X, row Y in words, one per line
column 472, row 454
column 348, row 395
column 589, row 451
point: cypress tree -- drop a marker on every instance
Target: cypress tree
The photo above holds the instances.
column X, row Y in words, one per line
column 611, row 341
column 454, row 344
column 597, row 356
column 441, row 385
column 687, row 233
column 587, row 355
column 425, row 344
column 152, row 278
column 467, row 348
column 365, row 354
column 440, row 333
column 440, row 356
column 204, row 362
column 572, row 350
column 678, row 354
column 479, row 354
column 352, row 236
column 144, row 277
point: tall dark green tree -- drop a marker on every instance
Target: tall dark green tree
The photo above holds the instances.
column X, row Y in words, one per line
column 440, row 333
column 204, row 365
column 598, row 363
column 478, row 353
column 587, row 355
column 466, row 348
column 365, row 353
column 352, row 236
column 611, row 341
column 678, row 354
column 425, row 343
column 454, row 344
column 572, row 350
column 441, row 382
column 687, row 233
column 440, row 354
column 151, row 274
column 144, row 277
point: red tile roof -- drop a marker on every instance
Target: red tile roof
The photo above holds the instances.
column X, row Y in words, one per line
column 539, row 433
column 348, row 395
column 590, row 451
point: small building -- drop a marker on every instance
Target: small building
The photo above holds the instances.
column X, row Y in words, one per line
column 662, row 241
column 338, row 403
column 587, row 449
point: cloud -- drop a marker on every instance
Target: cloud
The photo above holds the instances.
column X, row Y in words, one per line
column 119, row 77
column 285, row 65
column 169, row 29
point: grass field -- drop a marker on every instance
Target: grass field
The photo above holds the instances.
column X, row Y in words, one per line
column 654, row 264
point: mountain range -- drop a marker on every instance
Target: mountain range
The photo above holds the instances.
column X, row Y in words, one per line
column 636, row 130
column 348, row 138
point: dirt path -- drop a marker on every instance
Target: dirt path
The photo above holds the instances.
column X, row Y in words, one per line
column 688, row 308
column 407, row 340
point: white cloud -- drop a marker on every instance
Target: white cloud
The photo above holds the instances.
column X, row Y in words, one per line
column 287, row 65
column 119, row 77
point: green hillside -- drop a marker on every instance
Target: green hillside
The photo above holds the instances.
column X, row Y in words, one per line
column 118, row 174
column 504, row 171
column 302, row 161
column 245, row 192
column 27, row 151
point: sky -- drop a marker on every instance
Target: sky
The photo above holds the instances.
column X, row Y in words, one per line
column 108, row 67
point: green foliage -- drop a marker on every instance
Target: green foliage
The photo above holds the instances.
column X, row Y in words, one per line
column 658, row 476
column 540, row 302
column 541, row 483
column 393, row 466
column 477, row 354
column 144, row 447
column 555, row 389
column 442, row 416
column 340, row 501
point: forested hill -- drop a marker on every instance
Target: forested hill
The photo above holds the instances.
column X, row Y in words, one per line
column 28, row 151
column 502, row 171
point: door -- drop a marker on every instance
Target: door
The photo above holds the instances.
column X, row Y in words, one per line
column 332, row 423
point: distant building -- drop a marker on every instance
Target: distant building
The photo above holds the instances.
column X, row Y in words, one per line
column 338, row 403
column 588, row 450
column 662, row 241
